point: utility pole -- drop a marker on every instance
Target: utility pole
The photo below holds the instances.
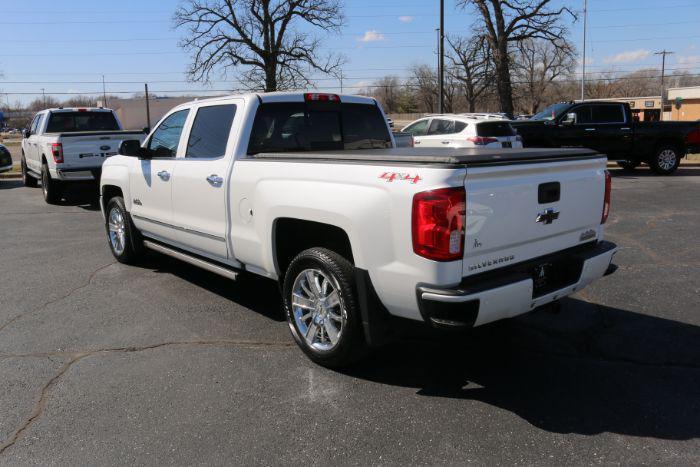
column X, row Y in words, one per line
column 43, row 93
column 341, row 81
column 441, row 61
column 104, row 93
column 663, row 54
column 583, row 63
column 148, row 110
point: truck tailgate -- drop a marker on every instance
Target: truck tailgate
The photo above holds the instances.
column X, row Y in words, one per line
column 89, row 150
column 522, row 211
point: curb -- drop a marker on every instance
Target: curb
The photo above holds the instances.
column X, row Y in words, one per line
column 10, row 176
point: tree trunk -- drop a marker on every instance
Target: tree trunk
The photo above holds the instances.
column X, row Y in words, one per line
column 505, row 91
column 270, row 77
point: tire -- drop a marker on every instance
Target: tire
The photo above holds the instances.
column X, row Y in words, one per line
column 665, row 160
column 629, row 165
column 51, row 188
column 27, row 180
column 124, row 239
column 313, row 276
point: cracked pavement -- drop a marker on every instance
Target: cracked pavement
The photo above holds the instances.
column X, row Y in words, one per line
column 102, row 363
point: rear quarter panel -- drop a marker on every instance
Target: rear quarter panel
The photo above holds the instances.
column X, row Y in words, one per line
column 371, row 203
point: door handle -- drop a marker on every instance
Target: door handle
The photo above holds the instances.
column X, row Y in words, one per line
column 165, row 176
column 445, row 142
column 416, row 142
column 215, row 180
column 590, row 129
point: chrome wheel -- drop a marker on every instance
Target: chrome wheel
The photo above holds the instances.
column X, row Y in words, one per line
column 45, row 182
column 318, row 311
column 117, row 230
column 667, row 159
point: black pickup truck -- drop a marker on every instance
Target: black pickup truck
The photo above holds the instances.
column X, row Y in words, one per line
column 609, row 128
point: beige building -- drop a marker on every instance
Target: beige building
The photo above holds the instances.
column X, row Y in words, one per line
column 688, row 106
column 132, row 112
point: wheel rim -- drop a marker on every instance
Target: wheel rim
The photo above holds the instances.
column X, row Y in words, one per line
column 117, row 230
column 667, row 159
column 45, row 182
column 318, row 311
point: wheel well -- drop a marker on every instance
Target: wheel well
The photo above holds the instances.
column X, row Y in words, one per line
column 678, row 145
column 109, row 192
column 292, row 236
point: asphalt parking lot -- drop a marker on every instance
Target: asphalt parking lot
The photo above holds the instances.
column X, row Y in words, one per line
column 163, row 363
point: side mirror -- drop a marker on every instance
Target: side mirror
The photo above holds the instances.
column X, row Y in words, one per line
column 146, row 130
column 26, row 133
column 132, row 148
column 569, row 120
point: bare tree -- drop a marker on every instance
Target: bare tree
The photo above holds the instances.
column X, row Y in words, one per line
column 472, row 67
column 537, row 65
column 269, row 38
column 511, row 21
column 387, row 91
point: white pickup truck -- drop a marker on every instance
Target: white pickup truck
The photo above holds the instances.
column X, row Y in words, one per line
column 69, row 145
column 293, row 187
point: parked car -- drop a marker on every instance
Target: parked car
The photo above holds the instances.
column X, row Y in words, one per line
column 288, row 186
column 464, row 131
column 68, row 145
column 403, row 140
column 5, row 159
column 608, row 127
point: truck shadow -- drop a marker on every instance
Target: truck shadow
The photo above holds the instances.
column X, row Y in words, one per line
column 589, row 369
column 645, row 172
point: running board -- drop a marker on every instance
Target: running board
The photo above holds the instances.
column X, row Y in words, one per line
column 200, row 263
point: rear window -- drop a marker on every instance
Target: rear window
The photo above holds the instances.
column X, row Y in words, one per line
column 68, row 122
column 495, row 129
column 292, row 126
column 608, row 114
column 210, row 131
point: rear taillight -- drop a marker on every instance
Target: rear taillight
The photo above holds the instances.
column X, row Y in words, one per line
column 57, row 152
column 438, row 223
column 606, row 201
column 482, row 140
column 693, row 137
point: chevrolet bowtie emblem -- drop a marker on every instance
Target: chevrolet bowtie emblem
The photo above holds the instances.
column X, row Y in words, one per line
column 548, row 216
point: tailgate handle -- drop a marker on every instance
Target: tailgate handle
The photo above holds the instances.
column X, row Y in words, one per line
column 549, row 192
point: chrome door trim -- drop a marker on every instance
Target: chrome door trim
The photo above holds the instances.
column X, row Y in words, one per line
column 181, row 229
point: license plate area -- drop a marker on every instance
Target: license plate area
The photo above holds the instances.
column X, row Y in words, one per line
column 554, row 273
column 507, row 144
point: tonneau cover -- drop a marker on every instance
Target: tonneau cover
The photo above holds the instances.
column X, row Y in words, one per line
column 464, row 156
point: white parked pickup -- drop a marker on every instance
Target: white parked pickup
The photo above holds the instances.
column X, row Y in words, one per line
column 69, row 145
column 308, row 189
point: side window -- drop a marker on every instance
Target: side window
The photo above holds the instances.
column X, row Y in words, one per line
column 34, row 125
column 441, row 127
column 166, row 138
column 608, row 113
column 210, row 131
column 459, row 127
column 420, row 128
column 583, row 115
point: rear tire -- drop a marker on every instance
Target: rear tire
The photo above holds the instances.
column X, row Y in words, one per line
column 665, row 160
column 27, row 180
column 629, row 165
column 124, row 239
column 320, row 301
column 51, row 188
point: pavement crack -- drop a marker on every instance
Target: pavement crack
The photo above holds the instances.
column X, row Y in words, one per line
column 41, row 404
column 75, row 357
column 70, row 292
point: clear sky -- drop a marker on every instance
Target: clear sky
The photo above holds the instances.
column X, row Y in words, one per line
column 66, row 46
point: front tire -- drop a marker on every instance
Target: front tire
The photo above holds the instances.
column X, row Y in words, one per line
column 320, row 301
column 27, row 180
column 665, row 160
column 50, row 187
column 124, row 239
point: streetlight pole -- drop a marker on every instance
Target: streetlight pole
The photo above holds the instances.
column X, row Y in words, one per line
column 441, row 51
column 663, row 54
column 583, row 63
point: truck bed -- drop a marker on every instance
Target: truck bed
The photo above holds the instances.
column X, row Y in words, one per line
column 450, row 157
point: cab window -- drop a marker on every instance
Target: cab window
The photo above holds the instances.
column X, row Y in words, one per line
column 420, row 128
column 441, row 127
column 210, row 131
column 166, row 138
column 608, row 113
